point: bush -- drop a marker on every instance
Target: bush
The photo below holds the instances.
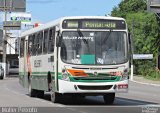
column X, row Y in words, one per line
column 153, row 74
column 147, row 69
column 143, row 67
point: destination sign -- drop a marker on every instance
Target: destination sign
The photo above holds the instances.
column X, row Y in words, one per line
column 93, row 24
column 72, row 24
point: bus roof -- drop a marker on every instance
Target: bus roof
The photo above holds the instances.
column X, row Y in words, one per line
column 56, row 22
column 93, row 17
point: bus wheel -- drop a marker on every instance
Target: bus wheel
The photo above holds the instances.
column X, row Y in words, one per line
column 109, row 98
column 32, row 92
column 55, row 97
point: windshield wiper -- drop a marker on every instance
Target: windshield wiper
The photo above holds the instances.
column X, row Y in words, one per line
column 81, row 35
column 107, row 36
column 84, row 40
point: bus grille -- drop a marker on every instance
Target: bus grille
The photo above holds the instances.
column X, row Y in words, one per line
column 95, row 78
column 104, row 87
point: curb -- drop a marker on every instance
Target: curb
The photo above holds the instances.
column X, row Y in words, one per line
column 144, row 83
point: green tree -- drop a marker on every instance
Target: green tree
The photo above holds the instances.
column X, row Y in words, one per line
column 129, row 6
column 145, row 29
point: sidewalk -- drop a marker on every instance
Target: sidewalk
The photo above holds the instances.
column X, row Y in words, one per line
column 141, row 79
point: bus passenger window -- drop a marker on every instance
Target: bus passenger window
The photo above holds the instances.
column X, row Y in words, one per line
column 30, row 45
column 51, row 40
column 22, row 47
column 45, row 42
column 39, row 43
column 36, row 43
column 34, row 49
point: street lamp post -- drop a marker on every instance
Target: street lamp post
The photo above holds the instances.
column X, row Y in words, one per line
column 132, row 50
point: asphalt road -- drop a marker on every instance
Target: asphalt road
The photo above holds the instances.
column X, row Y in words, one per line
column 140, row 99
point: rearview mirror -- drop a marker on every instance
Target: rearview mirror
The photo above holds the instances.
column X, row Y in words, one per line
column 58, row 39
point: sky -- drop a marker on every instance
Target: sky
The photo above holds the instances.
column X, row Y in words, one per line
column 43, row 11
column 47, row 10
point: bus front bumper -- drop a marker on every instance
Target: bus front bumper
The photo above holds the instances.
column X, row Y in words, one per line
column 92, row 87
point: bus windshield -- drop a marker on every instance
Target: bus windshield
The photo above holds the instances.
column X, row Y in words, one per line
column 94, row 48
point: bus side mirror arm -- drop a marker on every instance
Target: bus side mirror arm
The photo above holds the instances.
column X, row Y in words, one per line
column 130, row 42
column 129, row 38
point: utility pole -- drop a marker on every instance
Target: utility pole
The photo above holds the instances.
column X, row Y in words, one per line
column 12, row 6
column 132, row 50
column 4, row 39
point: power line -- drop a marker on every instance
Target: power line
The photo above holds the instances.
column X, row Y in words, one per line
column 6, row 42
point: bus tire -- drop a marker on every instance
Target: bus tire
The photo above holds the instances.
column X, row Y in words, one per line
column 55, row 97
column 109, row 98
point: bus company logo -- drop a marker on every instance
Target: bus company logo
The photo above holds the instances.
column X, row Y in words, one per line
column 95, row 73
column 148, row 109
column 95, row 68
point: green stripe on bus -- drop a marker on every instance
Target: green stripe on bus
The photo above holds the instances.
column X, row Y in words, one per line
column 72, row 79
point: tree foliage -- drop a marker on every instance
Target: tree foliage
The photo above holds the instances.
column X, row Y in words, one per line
column 144, row 26
column 129, row 6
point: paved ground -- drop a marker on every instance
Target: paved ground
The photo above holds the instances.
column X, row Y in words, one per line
column 138, row 97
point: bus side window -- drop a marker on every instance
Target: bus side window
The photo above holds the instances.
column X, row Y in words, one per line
column 51, row 40
column 45, row 42
column 34, row 45
column 22, row 47
column 39, row 43
column 30, row 45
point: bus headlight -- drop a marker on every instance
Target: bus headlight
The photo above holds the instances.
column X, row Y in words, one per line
column 125, row 75
column 65, row 75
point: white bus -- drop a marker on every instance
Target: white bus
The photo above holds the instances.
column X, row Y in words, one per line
column 78, row 56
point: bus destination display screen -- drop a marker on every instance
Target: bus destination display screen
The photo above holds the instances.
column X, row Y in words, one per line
column 93, row 24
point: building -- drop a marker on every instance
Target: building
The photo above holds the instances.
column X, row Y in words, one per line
column 11, row 52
